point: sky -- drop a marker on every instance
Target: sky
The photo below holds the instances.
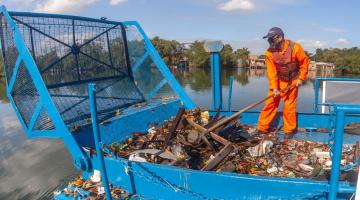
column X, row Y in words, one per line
column 242, row 23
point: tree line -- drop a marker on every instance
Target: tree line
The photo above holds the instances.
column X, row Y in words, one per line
column 347, row 60
column 173, row 51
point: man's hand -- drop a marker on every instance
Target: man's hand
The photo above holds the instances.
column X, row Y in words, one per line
column 298, row 83
column 276, row 92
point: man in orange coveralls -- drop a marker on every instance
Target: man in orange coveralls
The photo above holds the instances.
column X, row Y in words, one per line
column 286, row 64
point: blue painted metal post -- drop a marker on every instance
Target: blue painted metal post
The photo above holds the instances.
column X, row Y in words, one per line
column 316, row 100
column 230, row 92
column 336, row 158
column 216, row 80
column 97, row 139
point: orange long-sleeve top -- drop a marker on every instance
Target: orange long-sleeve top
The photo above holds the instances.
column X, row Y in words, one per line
column 298, row 54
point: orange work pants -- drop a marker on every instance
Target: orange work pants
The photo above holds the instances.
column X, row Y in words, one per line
column 270, row 109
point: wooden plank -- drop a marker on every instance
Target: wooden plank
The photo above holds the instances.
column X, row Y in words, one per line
column 216, row 137
column 197, row 126
column 175, row 124
column 221, row 155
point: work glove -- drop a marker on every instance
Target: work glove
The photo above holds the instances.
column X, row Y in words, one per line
column 298, row 83
column 276, row 92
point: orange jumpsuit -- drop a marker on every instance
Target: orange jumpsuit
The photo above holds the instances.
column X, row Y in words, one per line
column 271, row 105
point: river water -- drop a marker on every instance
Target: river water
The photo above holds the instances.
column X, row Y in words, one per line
column 33, row 169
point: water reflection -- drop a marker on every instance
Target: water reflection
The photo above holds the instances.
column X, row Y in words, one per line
column 32, row 169
column 250, row 85
column 29, row 169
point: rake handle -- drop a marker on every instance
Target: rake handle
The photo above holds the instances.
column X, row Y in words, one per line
column 237, row 114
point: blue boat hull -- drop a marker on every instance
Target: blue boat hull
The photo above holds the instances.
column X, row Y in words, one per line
column 168, row 182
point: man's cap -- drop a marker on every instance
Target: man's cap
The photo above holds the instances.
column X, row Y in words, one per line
column 274, row 31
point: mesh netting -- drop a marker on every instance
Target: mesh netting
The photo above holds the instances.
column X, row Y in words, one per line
column 43, row 121
column 70, row 52
column 342, row 92
column 10, row 52
column 86, row 50
column 25, row 94
column 147, row 76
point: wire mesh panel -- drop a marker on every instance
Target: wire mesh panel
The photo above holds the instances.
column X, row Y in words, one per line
column 345, row 92
column 43, row 122
column 10, row 53
column 70, row 52
column 147, row 76
column 25, row 94
column 342, row 92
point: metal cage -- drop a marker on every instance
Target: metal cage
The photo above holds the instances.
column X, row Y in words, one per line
column 69, row 52
column 50, row 59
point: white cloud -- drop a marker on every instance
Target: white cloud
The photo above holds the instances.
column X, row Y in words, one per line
column 341, row 41
column 232, row 5
column 312, row 44
column 116, row 2
column 62, row 6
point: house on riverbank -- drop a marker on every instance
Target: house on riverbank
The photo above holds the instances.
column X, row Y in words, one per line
column 256, row 61
column 321, row 65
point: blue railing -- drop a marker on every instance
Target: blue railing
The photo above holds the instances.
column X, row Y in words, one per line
column 317, row 85
column 341, row 110
column 97, row 139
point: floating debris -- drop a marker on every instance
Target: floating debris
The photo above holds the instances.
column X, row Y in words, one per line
column 232, row 148
column 87, row 189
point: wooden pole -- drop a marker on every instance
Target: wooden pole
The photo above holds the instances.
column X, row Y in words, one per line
column 237, row 114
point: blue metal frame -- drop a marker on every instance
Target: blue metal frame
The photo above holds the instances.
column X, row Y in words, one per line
column 45, row 101
column 230, row 92
column 140, row 62
column 216, row 81
column 341, row 110
column 160, row 64
column 190, row 182
column 317, row 85
column 164, row 182
column 156, row 89
column 61, row 131
column 97, row 139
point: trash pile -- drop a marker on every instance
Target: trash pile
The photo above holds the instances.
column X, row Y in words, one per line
column 233, row 147
column 91, row 189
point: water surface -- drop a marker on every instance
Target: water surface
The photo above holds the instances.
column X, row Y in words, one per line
column 33, row 169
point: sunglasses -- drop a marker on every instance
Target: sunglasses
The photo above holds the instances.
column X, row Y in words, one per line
column 274, row 38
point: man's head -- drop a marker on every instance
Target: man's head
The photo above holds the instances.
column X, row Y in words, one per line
column 275, row 37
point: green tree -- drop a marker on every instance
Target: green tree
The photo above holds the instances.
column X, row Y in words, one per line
column 197, row 55
column 170, row 50
column 3, row 96
column 227, row 56
column 346, row 60
column 242, row 54
column 242, row 77
column 310, row 55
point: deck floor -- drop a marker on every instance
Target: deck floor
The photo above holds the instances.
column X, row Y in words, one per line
column 322, row 137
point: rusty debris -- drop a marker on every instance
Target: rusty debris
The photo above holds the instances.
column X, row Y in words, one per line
column 235, row 148
column 81, row 188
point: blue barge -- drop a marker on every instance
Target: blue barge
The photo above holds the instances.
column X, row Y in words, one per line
column 49, row 62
